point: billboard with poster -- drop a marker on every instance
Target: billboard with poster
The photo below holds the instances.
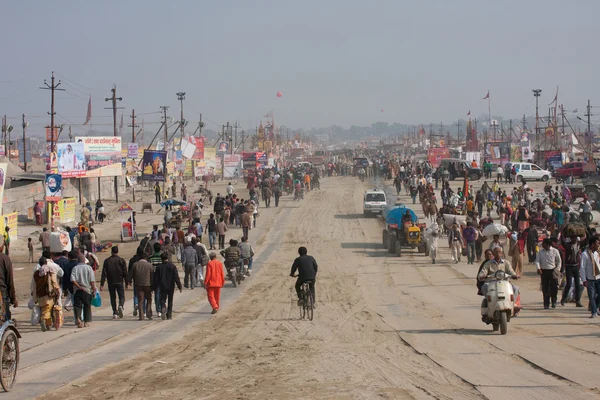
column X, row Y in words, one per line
column 64, row 210
column 497, row 152
column 10, row 220
column 154, row 166
column 436, row 154
column 102, row 155
column 71, row 160
column 53, row 187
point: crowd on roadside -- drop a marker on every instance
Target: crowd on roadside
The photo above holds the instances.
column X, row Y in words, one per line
column 549, row 229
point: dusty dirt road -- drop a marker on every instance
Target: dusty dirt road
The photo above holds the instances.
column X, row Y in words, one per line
column 384, row 327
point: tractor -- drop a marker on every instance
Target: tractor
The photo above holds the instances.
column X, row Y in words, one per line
column 402, row 230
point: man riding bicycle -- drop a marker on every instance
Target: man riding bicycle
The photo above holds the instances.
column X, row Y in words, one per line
column 307, row 272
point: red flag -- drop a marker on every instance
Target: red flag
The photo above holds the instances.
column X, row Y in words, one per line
column 469, row 113
column 487, row 96
column 88, row 117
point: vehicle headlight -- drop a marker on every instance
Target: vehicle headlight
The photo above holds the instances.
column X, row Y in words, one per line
column 500, row 275
column 367, row 206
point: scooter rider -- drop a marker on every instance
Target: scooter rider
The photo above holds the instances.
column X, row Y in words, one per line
column 232, row 254
column 496, row 264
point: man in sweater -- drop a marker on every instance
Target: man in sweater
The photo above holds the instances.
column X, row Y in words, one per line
column 165, row 279
column 114, row 271
column 189, row 259
column 84, row 285
column 142, row 275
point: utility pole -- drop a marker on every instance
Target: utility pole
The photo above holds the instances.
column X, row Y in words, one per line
column 181, row 98
column 6, row 130
column 230, row 135
column 589, row 130
column 236, row 126
column 24, row 147
column 200, row 126
column 537, row 93
column 164, row 110
column 52, row 87
column 457, row 134
column 133, row 126
column 114, row 107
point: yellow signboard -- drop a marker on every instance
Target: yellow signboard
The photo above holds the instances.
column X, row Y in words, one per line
column 64, row 210
column 10, row 220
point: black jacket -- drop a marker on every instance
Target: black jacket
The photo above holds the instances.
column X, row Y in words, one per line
column 307, row 268
column 166, row 277
column 114, row 270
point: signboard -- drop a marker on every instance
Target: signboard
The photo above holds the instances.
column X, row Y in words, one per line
column 102, row 156
column 526, row 153
column 198, row 145
column 554, row 158
column 199, row 171
column 3, row 176
column 516, row 153
column 210, row 153
column 132, row 150
column 249, row 160
column 188, row 172
column 10, row 220
column 232, row 164
column 53, row 187
column 64, row 210
column 71, row 160
column 497, row 152
column 436, row 154
column 223, row 148
column 188, row 148
column 154, row 166
column 52, row 137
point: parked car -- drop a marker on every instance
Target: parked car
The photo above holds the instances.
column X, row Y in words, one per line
column 578, row 169
column 529, row 171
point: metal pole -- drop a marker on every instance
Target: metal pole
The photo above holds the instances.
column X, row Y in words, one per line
column 24, row 147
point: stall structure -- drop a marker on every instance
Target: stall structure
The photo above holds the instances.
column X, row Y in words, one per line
column 127, row 223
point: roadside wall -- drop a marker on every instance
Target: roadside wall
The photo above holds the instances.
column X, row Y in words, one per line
column 21, row 199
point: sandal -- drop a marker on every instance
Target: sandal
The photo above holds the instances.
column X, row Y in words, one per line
column 79, row 323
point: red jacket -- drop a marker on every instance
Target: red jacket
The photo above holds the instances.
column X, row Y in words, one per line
column 214, row 274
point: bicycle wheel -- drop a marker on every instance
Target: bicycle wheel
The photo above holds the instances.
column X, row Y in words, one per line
column 9, row 355
column 309, row 305
column 301, row 307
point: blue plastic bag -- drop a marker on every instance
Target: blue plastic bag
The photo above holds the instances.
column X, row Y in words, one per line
column 97, row 300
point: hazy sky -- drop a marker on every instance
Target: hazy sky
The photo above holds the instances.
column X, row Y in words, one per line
column 335, row 61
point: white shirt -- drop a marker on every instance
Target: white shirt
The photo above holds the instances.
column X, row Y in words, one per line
column 230, row 189
column 587, row 266
column 548, row 259
column 586, row 206
column 499, row 170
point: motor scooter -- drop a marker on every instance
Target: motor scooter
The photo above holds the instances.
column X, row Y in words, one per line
column 498, row 306
column 233, row 273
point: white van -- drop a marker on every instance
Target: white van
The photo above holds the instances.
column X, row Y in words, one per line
column 529, row 171
column 375, row 201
